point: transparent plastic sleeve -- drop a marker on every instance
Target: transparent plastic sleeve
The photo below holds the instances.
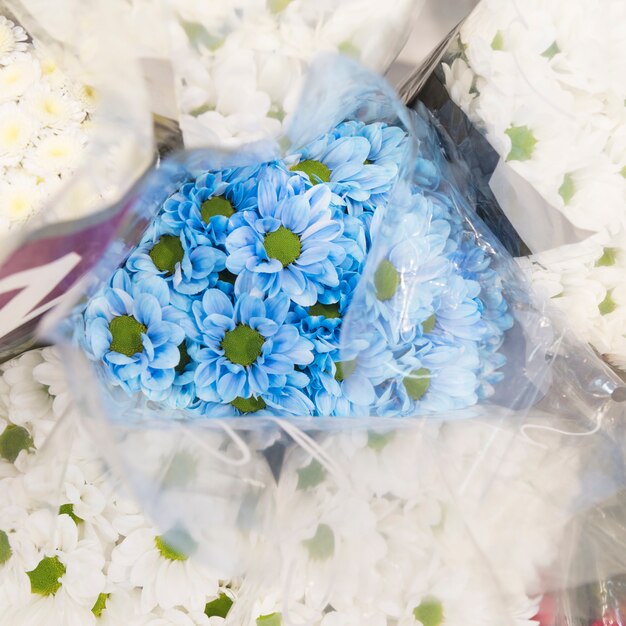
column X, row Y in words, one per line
column 79, row 135
column 452, row 383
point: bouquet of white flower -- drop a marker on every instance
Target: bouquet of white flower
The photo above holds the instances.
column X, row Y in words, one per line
column 543, row 83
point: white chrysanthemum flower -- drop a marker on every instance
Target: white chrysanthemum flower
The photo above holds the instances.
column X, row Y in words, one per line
column 49, row 66
column 17, row 77
column 161, row 566
column 56, row 154
column 64, row 578
column 53, row 108
column 12, row 40
column 20, row 198
column 17, row 130
column 27, row 398
column 52, row 374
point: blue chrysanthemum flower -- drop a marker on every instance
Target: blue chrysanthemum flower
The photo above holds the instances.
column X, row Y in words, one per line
column 135, row 331
column 435, row 377
column 358, row 161
column 206, row 205
column 409, row 279
column 187, row 259
column 348, row 387
column 249, row 349
column 289, row 246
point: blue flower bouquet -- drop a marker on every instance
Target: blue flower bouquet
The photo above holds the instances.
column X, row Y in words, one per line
column 337, row 278
column 336, row 275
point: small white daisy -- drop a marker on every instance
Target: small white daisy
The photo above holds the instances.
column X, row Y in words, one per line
column 17, row 130
column 20, row 199
column 12, row 39
column 161, row 566
column 52, row 107
column 17, row 77
column 56, row 154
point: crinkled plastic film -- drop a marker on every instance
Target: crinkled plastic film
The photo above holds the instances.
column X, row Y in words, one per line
column 47, row 254
column 260, row 497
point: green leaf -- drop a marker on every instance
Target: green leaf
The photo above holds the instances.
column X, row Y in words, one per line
column 623, row 171
column 497, row 42
column 5, row 548
column 218, row 607
column 311, row 475
column 417, row 383
column 100, row 604
column 377, row 441
column 567, row 188
column 429, row 612
column 551, row 50
column 522, row 143
column 272, row 619
column 608, row 304
column 13, row 440
column 322, row 545
column 68, row 509
column 44, row 579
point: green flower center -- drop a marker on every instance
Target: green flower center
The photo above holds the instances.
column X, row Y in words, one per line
column 5, row 547
column 249, row 405
column 242, row 345
column 44, row 579
column 567, row 189
column 608, row 258
column 218, row 607
column 184, row 359
column 271, row 619
column 315, row 170
column 417, row 383
column 498, row 41
column 386, row 280
column 329, row 311
column 608, row 304
column 216, row 206
column 344, row 369
column 428, row 324
column 311, row 475
column 126, row 334
column 522, row 143
column 13, row 440
column 429, row 612
column 68, row 509
column 322, row 545
column 283, row 245
column 100, row 605
column 175, row 545
column 166, row 253
column 377, row 441
column 551, row 50
column 227, row 277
